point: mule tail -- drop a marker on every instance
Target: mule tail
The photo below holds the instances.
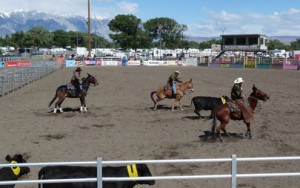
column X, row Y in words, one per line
column 151, row 95
column 53, row 100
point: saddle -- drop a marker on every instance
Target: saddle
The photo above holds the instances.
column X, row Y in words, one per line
column 72, row 90
column 169, row 88
column 239, row 105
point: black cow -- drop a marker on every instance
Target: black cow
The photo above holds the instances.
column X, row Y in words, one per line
column 206, row 103
column 71, row 172
column 13, row 173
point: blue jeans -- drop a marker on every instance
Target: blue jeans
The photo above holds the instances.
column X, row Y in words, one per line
column 173, row 85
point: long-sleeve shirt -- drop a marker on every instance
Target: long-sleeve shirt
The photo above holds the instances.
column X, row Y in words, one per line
column 236, row 92
column 174, row 77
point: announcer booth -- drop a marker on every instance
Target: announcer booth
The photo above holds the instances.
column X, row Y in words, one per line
column 244, row 43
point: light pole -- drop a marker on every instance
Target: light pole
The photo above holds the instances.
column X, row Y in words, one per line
column 89, row 29
column 159, row 30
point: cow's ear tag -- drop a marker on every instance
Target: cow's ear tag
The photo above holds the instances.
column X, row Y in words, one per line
column 132, row 171
column 223, row 100
column 16, row 170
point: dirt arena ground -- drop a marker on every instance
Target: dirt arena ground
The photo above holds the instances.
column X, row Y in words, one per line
column 122, row 125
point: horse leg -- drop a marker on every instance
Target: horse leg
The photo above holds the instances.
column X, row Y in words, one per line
column 84, row 105
column 248, row 133
column 225, row 132
column 81, row 104
column 156, row 103
column 60, row 109
column 221, row 127
column 56, row 105
column 177, row 100
column 180, row 105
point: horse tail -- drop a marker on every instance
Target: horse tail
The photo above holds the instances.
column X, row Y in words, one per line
column 55, row 96
column 214, row 122
column 151, row 95
column 52, row 100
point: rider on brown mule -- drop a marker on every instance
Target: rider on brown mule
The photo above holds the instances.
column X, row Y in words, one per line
column 162, row 93
column 173, row 78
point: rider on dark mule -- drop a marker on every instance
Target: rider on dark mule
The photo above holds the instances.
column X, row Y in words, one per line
column 173, row 78
column 239, row 101
column 76, row 82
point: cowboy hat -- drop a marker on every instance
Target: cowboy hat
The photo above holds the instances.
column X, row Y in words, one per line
column 177, row 72
column 78, row 69
column 238, row 80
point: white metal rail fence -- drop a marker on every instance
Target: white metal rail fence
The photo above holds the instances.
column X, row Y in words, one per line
column 233, row 175
column 12, row 79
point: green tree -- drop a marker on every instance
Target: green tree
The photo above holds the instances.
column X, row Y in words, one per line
column 295, row 45
column 166, row 30
column 61, row 38
column 275, row 44
column 39, row 37
column 127, row 31
column 17, row 39
column 207, row 44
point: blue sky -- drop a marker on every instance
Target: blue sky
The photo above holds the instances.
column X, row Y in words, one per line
column 207, row 18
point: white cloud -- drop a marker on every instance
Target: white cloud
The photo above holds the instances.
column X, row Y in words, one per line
column 78, row 7
column 277, row 23
column 127, row 7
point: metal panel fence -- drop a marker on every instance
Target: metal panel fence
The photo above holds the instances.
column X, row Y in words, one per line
column 12, row 79
column 233, row 175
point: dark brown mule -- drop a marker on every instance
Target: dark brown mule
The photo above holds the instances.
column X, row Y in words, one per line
column 62, row 92
column 161, row 93
column 223, row 113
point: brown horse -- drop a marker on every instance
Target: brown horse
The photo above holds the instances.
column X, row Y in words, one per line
column 223, row 113
column 162, row 93
column 62, row 92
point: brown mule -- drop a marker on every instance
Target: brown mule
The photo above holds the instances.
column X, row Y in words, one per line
column 161, row 93
column 62, row 92
column 224, row 114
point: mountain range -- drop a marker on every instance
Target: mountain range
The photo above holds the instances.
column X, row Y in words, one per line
column 11, row 22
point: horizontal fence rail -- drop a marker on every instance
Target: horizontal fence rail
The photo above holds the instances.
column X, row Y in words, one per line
column 99, row 179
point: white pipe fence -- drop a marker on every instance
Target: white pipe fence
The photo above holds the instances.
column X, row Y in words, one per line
column 15, row 78
column 99, row 179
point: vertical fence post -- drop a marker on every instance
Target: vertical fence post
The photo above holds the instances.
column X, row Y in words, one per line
column 2, row 82
column 99, row 172
column 12, row 83
column 233, row 171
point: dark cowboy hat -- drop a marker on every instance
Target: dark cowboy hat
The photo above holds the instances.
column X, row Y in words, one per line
column 78, row 69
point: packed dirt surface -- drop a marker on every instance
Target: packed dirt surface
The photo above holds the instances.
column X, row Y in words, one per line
column 121, row 124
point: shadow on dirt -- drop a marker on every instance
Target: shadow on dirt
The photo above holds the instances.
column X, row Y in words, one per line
column 208, row 136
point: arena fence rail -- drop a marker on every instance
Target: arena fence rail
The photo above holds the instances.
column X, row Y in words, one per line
column 13, row 78
column 233, row 175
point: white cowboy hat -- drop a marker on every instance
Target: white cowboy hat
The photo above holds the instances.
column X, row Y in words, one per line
column 177, row 72
column 238, row 80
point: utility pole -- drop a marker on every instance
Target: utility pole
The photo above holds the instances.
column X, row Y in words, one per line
column 223, row 29
column 89, row 28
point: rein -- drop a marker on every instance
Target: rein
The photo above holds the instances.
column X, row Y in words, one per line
column 253, row 98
